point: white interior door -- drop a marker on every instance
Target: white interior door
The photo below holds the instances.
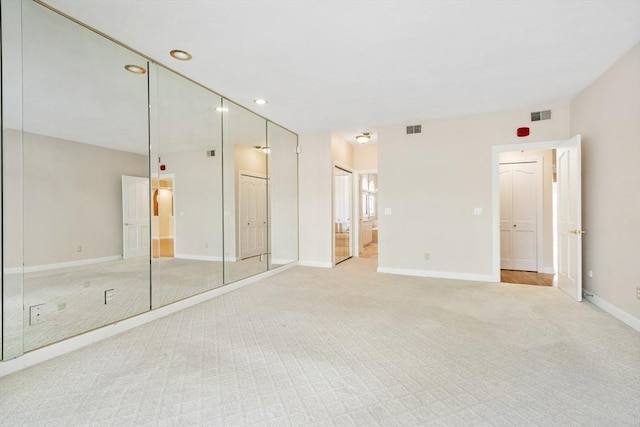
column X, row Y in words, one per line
column 135, row 216
column 569, row 218
column 253, row 216
column 518, row 216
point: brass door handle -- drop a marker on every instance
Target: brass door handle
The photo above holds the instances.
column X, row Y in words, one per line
column 576, row 232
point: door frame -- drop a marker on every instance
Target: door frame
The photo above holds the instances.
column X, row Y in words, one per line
column 333, row 212
column 357, row 205
column 172, row 176
column 495, row 193
column 539, row 161
column 264, row 177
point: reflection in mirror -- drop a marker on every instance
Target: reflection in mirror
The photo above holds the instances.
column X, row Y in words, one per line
column 245, row 193
column 11, row 320
column 368, row 190
column 186, row 198
column 283, row 196
column 342, row 196
column 85, row 180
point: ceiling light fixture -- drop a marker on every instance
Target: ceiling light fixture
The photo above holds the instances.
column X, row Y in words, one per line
column 363, row 138
column 222, row 109
column 135, row 69
column 260, row 101
column 265, row 150
column 181, row 55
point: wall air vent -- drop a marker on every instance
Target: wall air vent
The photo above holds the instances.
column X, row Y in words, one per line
column 414, row 129
column 536, row 116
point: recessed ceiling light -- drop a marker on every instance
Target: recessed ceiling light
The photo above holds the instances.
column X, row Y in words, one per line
column 260, row 101
column 181, row 55
column 222, row 109
column 136, row 69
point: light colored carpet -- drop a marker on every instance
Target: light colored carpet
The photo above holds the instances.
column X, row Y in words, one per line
column 348, row 346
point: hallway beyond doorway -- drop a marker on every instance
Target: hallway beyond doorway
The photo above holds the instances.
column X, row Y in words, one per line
column 370, row 251
column 526, row 278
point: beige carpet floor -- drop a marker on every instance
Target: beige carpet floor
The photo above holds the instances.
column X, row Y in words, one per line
column 348, row 346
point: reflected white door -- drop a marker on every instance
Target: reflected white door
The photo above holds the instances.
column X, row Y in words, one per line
column 135, row 216
column 569, row 219
column 253, row 216
column 518, row 216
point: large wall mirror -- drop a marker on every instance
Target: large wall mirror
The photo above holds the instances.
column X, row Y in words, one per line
column 79, row 237
column 126, row 186
column 186, row 199
column 245, row 190
column 283, row 195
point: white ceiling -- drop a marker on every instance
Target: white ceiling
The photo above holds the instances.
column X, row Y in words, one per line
column 351, row 66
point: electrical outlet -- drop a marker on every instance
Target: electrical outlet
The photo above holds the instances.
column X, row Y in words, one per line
column 36, row 314
column 108, row 296
column 638, row 292
column 206, row 245
column 79, row 248
column 590, row 273
column 427, row 256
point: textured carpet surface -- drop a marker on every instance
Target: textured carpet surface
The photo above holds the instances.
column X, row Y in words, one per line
column 348, row 346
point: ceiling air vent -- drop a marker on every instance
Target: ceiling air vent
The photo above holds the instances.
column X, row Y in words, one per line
column 414, row 129
column 536, row 116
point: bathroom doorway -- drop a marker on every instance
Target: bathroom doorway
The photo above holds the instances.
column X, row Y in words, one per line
column 368, row 213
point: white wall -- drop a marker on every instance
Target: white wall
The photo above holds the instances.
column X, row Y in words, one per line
column 607, row 115
column 433, row 181
column 315, row 162
column 365, row 157
column 341, row 152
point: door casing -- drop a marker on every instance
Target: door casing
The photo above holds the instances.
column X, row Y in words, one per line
column 495, row 165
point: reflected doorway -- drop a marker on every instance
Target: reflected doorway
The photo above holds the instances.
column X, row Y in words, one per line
column 162, row 223
column 368, row 231
column 342, row 202
column 253, row 216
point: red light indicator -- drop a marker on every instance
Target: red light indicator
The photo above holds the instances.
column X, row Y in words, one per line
column 523, row 132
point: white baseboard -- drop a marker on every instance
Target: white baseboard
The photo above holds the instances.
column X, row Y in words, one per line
column 55, row 266
column 547, row 270
column 282, row 261
column 319, row 264
column 201, row 257
column 621, row 315
column 77, row 342
column 437, row 274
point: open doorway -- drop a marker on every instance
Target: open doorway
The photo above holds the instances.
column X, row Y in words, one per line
column 568, row 254
column 342, row 212
column 368, row 215
column 526, row 217
column 163, row 219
